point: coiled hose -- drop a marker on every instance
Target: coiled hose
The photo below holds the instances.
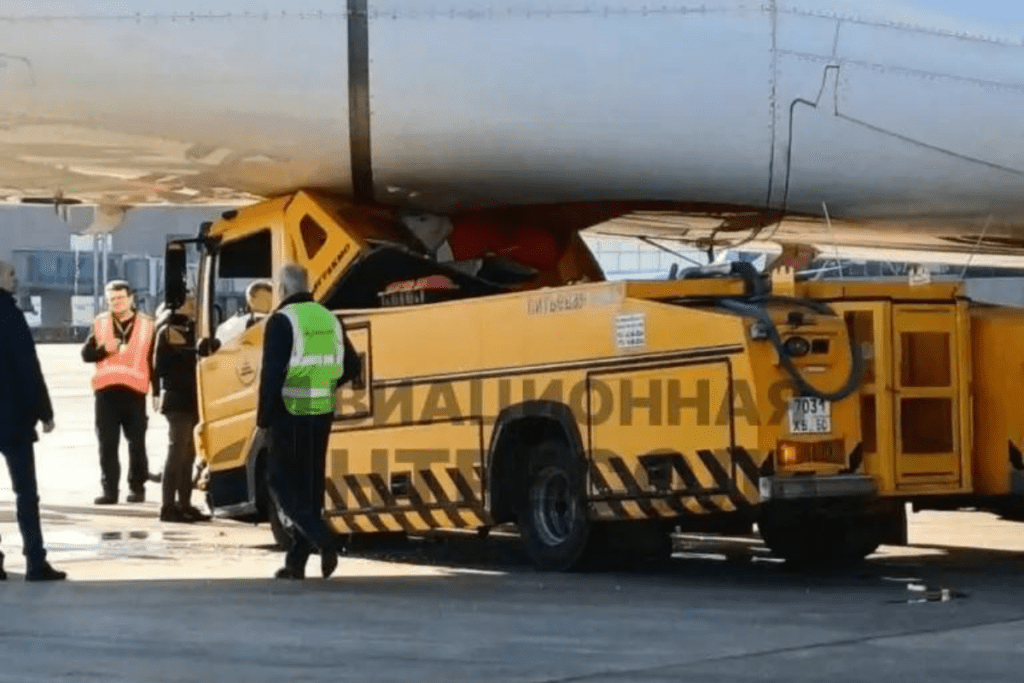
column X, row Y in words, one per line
column 755, row 308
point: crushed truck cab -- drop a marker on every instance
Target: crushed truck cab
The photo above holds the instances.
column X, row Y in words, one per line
column 516, row 386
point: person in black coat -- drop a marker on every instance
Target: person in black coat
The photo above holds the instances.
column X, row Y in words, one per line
column 298, row 443
column 174, row 363
column 24, row 401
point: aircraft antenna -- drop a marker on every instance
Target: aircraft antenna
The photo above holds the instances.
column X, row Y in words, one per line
column 977, row 246
column 650, row 241
column 832, row 234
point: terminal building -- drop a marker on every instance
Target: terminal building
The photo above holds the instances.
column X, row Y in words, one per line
column 63, row 258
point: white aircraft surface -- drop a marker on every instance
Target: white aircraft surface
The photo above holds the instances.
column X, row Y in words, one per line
column 866, row 125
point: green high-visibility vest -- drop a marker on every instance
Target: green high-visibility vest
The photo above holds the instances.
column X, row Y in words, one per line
column 317, row 360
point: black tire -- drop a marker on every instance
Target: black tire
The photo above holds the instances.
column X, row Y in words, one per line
column 819, row 540
column 553, row 515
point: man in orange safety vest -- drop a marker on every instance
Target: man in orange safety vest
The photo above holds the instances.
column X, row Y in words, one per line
column 121, row 346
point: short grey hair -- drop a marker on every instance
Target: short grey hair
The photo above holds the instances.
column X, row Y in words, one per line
column 119, row 286
column 293, row 279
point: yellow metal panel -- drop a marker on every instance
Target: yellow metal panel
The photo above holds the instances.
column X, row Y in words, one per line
column 229, row 385
column 266, row 214
column 540, row 328
column 900, row 290
column 997, row 339
column 667, row 289
column 338, row 249
column 439, row 459
column 668, row 411
column 928, row 416
column 901, row 341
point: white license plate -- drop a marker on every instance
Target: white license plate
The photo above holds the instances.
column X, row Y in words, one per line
column 810, row 416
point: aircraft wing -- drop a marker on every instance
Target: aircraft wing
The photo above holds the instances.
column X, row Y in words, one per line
column 984, row 242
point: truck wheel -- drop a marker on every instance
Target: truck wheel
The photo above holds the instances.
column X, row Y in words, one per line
column 820, row 541
column 553, row 517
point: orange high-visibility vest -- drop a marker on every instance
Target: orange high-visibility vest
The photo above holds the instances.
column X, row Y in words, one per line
column 129, row 368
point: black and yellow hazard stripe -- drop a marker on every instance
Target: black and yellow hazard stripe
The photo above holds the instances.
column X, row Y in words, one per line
column 703, row 483
column 364, row 503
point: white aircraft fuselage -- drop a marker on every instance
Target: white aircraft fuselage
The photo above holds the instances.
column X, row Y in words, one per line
column 885, row 112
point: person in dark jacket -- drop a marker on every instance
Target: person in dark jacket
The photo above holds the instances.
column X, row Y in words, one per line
column 24, row 401
column 174, row 364
column 298, row 443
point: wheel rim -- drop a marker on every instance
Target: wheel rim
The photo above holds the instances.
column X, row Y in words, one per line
column 555, row 508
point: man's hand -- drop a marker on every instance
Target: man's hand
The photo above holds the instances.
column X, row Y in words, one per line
column 48, row 426
column 111, row 347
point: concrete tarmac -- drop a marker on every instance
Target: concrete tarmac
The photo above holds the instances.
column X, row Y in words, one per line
column 148, row 601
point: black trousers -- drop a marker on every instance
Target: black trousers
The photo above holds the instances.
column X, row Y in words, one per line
column 119, row 408
column 21, row 463
column 181, row 456
column 295, row 479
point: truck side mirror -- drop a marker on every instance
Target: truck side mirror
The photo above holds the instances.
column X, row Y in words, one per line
column 175, row 274
column 359, row 381
column 208, row 346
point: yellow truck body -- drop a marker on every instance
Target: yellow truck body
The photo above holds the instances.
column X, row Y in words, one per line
column 581, row 410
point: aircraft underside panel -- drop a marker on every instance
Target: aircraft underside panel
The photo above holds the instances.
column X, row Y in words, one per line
column 872, row 109
column 182, row 102
column 563, row 105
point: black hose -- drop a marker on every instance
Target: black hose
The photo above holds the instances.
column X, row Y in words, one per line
column 761, row 313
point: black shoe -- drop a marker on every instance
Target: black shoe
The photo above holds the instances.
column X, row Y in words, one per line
column 328, row 561
column 193, row 514
column 106, row 499
column 287, row 572
column 169, row 513
column 45, row 572
column 138, row 496
column 3, row 574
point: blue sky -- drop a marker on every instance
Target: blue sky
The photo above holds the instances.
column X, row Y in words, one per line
column 999, row 15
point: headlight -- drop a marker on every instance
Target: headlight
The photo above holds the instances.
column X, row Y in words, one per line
column 797, row 346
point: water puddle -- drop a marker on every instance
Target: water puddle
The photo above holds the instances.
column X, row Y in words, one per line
column 74, row 544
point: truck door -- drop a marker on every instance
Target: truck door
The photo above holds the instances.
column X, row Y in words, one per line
column 913, row 420
column 228, row 374
column 927, row 392
column 869, row 323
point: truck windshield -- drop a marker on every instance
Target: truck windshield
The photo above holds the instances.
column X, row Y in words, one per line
column 241, row 292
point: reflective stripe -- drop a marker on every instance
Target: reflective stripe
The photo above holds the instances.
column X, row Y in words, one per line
column 333, row 359
column 298, row 392
column 298, row 339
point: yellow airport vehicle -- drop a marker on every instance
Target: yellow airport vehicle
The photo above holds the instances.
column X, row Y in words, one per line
column 596, row 416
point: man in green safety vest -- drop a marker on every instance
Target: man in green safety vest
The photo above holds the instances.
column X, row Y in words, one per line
column 306, row 356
